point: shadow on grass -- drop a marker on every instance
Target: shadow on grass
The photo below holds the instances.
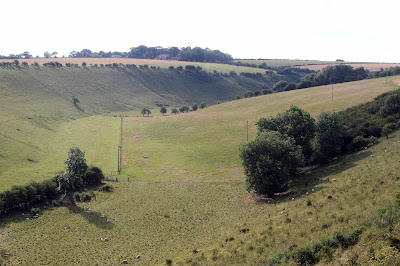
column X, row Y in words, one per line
column 93, row 217
column 21, row 216
column 310, row 180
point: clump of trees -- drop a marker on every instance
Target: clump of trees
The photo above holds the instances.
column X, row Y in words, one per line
column 332, row 75
column 190, row 54
column 393, row 71
column 287, row 142
column 145, row 111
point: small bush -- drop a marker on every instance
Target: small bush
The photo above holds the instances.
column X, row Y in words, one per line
column 35, row 211
column 106, row 188
column 84, row 196
column 304, row 256
column 93, row 176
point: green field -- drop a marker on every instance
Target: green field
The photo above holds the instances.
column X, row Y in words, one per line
column 204, row 144
column 189, row 193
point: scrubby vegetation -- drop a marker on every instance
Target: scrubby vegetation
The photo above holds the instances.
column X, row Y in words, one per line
column 272, row 159
column 365, row 122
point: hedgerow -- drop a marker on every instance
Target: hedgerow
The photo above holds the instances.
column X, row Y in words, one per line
column 25, row 196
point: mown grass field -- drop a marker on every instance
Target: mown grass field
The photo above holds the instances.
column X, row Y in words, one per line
column 190, row 193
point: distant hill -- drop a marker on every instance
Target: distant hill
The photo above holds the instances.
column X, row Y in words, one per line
column 100, row 90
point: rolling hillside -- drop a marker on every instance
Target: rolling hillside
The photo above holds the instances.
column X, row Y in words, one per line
column 38, row 110
column 186, row 192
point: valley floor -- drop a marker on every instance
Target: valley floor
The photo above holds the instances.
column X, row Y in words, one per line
column 186, row 190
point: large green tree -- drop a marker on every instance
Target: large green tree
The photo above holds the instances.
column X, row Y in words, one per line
column 295, row 123
column 163, row 110
column 269, row 162
column 329, row 138
column 75, row 169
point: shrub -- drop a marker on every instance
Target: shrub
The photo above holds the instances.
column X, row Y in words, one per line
column 106, row 188
column 304, row 256
column 386, row 131
column 279, row 86
column 35, row 211
column 93, row 176
column 329, row 138
column 359, row 142
column 291, row 86
column 84, row 196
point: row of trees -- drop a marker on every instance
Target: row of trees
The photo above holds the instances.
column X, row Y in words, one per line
column 336, row 74
column 393, row 71
column 329, row 75
column 182, row 109
column 196, row 54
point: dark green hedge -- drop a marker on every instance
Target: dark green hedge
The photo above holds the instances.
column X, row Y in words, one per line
column 24, row 196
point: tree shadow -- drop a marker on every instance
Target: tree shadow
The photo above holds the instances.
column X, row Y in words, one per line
column 79, row 108
column 93, row 217
column 310, row 180
column 19, row 216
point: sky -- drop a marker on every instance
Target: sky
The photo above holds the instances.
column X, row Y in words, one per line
column 352, row 30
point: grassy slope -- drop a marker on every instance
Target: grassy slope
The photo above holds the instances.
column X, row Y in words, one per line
column 167, row 215
column 204, row 144
column 37, row 111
